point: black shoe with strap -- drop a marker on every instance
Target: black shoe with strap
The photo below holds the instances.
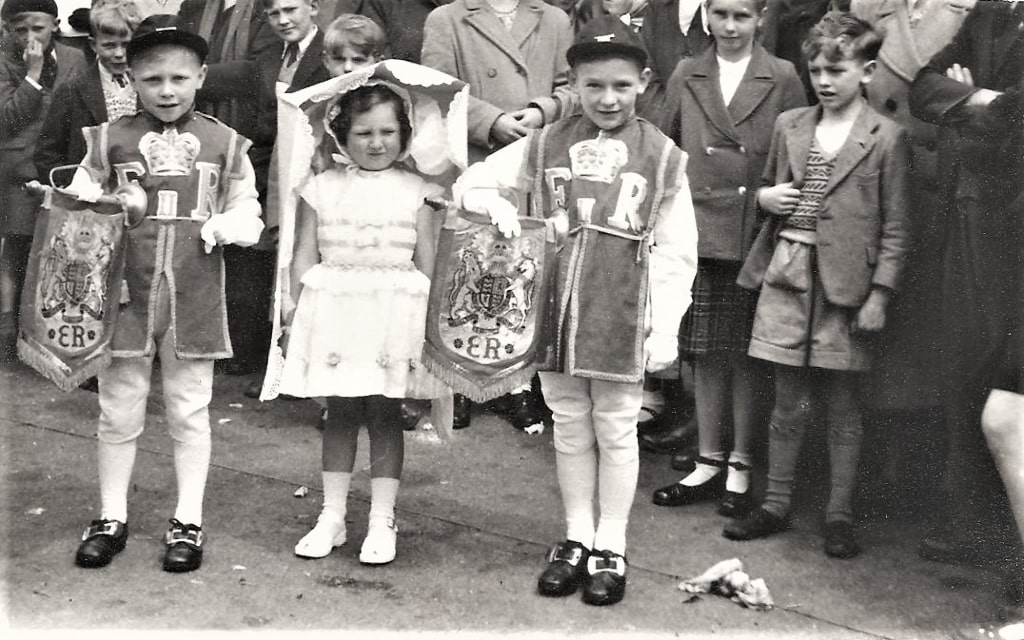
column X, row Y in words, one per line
column 607, row 583
column 184, row 547
column 101, row 541
column 566, row 570
column 676, row 495
column 733, row 504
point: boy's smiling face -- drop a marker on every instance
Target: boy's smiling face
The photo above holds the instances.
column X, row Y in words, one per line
column 166, row 78
column 111, row 50
column 608, row 89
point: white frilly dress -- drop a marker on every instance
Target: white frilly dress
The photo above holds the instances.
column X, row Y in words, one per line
column 359, row 323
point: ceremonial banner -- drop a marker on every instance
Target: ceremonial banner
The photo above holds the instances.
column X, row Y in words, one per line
column 490, row 298
column 72, row 289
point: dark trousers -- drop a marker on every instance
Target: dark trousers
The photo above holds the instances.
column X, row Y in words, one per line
column 249, row 285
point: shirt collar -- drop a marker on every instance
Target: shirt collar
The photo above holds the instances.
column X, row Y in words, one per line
column 303, row 44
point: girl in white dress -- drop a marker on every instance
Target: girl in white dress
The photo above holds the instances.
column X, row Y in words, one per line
column 365, row 244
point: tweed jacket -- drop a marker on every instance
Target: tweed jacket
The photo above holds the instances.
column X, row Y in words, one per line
column 862, row 221
column 506, row 70
column 22, row 110
column 727, row 145
column 77, row 103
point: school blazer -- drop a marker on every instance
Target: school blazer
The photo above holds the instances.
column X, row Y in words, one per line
column 727, row 146
column 862, row 223
column 22, row 109
column 76, row 104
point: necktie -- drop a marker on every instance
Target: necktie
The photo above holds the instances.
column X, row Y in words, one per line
column 120, row 80
column 291, row 54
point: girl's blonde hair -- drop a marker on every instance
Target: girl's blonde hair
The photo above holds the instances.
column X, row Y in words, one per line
column 359, row 32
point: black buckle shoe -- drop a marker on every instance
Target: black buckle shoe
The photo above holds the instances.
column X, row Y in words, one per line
column 101, row 541
column 524, row 413
column 841, row 540
column 184, row 547
column 567, row 568
column 607, row 584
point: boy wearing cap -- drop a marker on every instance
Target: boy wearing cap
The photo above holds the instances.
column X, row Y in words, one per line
column 31, row 68
column 201, row 193
column 615, row 188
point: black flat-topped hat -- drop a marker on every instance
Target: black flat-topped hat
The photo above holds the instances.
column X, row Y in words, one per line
column 604, row 36
column 14, row 7
column 161, row 29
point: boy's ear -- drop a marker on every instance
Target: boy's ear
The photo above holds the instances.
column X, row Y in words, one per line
column 202, row 76
column 645, row 79
column 868, row 71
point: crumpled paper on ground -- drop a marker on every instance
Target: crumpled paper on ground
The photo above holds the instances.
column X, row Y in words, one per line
column 728, row 579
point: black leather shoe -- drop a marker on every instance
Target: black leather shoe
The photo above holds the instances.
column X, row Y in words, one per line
column 671, row 440
column 411, row 414
column 91, row 385
column 463, row 405
column 607, row 583
column 735, row 505
column 567, row 569
column 950, row 549
column 524, row 413
column 841, row 540
column 101, row 541
column 184, row 547
column 758, row 524
column 253, row 390
column 676, row 495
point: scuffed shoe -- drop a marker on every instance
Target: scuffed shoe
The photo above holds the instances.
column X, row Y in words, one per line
column 759, row 524
column 322, row 539
column 380, row 542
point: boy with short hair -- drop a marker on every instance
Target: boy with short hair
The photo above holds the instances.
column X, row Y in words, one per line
column 827, row 262
column 99, row 93
column 32, row 66
column 624, row 276
column 201, row 192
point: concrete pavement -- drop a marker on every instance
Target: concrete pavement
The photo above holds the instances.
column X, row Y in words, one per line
column 475, row 517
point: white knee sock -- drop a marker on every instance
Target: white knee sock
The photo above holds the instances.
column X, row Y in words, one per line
column 115, row 466
column 191, row 466
column 617, row 490
column 336, row 484
column 383, row 493
column 738, row 480
column 704, row 472
column 577, row 480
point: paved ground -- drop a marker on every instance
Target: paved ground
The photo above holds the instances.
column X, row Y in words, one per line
column 475, row 517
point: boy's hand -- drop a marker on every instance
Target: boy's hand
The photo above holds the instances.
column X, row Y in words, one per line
column 871, row 316
column 780, row 200
column 507, row 130
column 33, row 57
column 662, row 350
column 211, row 235
column 530, row 117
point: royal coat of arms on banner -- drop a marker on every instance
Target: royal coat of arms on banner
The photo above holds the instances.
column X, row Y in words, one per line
column 489, row 300
column 72, row 288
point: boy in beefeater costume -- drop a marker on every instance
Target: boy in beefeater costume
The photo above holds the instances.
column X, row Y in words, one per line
column 616, row 186
column 201, row 194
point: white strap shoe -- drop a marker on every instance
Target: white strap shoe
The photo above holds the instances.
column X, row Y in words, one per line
column 322, row 539
column 379, row 545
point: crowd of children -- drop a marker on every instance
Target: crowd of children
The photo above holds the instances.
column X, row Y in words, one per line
column 814, row 242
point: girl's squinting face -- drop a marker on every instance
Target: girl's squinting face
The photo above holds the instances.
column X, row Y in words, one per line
column 375, row 140
column 733, row 23
column 346, row 59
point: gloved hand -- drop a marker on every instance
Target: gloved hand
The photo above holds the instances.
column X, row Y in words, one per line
column 503, row 213
column 661, row 350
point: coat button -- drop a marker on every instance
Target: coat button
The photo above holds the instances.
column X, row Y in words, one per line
column 709, row 151
column 492, row 72
column 890, row 104
column 743, row 149
column 742, row 190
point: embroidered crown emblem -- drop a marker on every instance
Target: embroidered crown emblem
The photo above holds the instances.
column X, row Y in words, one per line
column 599, row 159
column 170, row 153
